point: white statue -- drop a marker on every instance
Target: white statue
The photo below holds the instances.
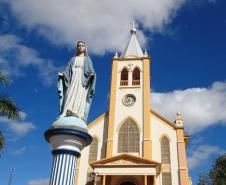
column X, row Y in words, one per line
column 76, row 84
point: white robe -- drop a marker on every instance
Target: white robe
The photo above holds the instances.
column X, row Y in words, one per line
column 76, row 95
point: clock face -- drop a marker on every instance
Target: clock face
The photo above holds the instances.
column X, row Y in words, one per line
column 129, row 100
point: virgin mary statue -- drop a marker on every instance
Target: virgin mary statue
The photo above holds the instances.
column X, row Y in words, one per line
column 76, row 84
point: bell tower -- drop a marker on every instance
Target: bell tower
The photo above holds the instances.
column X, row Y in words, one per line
column 129, row 109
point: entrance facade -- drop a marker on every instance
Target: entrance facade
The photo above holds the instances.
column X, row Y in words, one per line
column 125, row 170
column 124, row 180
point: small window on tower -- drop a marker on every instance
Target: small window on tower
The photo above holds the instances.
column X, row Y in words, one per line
column 124, row 77
column 136, row 76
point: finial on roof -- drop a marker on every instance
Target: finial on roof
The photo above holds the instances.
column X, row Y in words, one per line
column 145, row 52
column 133, row 30
column 116, row 55
column 179, row 119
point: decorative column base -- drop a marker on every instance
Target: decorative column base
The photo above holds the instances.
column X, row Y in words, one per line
column 68, row 136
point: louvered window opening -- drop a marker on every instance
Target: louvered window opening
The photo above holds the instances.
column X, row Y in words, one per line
column 124, row 77
column 165, row 151
column 123, row 82
column 93, row 150
column 166, row 179
column 128, row 139
column 136, row 76
column 136, row 82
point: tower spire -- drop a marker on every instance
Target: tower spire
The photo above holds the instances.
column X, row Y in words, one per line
column 133, row 48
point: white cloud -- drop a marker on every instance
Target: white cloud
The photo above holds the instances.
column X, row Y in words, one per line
column 19, row 128
column 19, row 151
column 14, row 57
column 39, row 182
column 103, row 24
column 203, row 153
column 200, row 107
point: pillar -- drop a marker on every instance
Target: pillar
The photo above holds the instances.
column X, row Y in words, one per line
column 182, row 162
column 104, row 180
column 147, row 143
column 64, row 163
column 66, row 141
column 145, row 180
column 110, row 132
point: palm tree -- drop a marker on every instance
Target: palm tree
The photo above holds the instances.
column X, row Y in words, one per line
column 7, row 107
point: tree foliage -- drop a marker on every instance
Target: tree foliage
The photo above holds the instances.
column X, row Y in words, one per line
column 7, row 107
column 204, row 179
column 4, row 80
column 217, row 173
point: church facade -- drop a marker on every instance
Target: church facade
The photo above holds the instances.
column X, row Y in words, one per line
column 132, row 144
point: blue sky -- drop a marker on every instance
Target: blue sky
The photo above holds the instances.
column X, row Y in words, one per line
column 185, row 38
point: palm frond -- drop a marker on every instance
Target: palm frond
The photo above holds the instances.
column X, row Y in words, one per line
column 4, row 80
column 8, row 108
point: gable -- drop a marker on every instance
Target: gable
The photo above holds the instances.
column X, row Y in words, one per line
column 125, row 160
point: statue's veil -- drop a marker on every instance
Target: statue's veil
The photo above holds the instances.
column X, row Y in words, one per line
column 86, row 51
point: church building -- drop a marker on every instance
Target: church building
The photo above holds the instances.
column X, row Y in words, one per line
column 132, row 144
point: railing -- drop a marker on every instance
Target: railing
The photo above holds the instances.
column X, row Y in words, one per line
column 123, row 82
column 136, row 82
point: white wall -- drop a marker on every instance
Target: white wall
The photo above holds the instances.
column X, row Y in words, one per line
column 158, row 129
column 98, row 131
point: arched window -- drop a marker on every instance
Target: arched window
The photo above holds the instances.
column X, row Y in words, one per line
column 124, row 77
column 129, row 137
column 165, row 150
column 93, row 150
column 136, row 76
column 165, row 154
